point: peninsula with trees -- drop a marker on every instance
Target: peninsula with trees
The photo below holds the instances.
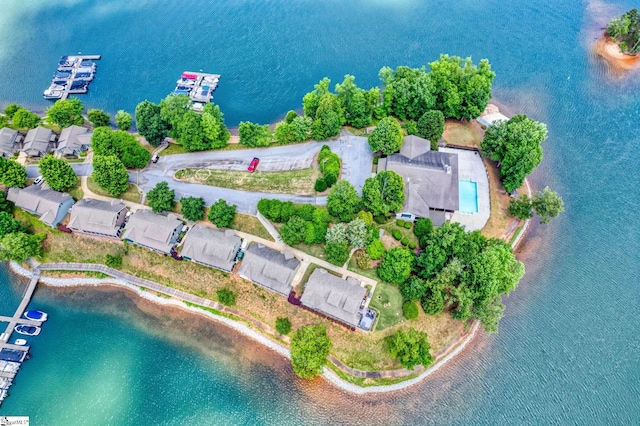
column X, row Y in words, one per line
column 377, row 229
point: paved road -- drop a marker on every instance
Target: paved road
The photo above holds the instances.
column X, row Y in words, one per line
column 353, row 150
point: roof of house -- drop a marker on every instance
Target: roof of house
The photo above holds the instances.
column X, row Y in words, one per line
column 38, row 200
column 72, row 139
column 96, row 216
column 37, row 140
column 152, row 230
column 334, row 296
column 430, row 177
column 270, row 268
column 211, row 246
column 7, row 140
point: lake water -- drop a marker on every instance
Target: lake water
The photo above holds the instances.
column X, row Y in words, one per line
column 567, row 350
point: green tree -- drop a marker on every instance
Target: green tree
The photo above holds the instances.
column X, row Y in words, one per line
column 254, row 134
column 343, row 201
column 283, row 326
column 376, row 249
column 547, row 204
column 8, row 224
column 422, row 228
column 12, row 174
column 192, row 208
column 432, row 302
column 150, row 123
column 4, row 120
column 25, row 119
column 357, row 233
column 110, row 174
column 515, row 144
column 396, row 265
column 226, row 297
column 11, row 109
column 301, row 128
column 213, row 127
column 355, row 103
column 311, row 100
column 66, row 112
column 284, row 133
column 462, row 89
column 161, row 198
column 19, row 246
column 189, row 132
column 430, row 127
column 293, row 231
column 410, row 347
column 172, row 110
column 291, row 115
column 5, row 205
column 123, row 145
column 410, row 310
column 521, row 207
column 329, row 118
column 222, row 214
column 408, row 92
column 336, row 234
column 383, row 193
column 337, row 253
column 414, row 288
column 386, row 137
column 310, row 347
column 625, row 30
column 57, row 173
column 124, row 120
column 98, row 117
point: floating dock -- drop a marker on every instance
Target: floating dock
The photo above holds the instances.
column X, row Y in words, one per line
column 12, row 356
column 73, row 76
column 198, row 86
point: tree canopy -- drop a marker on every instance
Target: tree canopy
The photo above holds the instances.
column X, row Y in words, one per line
column 222, row 214
column 343, row 201
column 430, row 127
column 386, row 137
column 150, row 123
column 172, row 110
column 410, row 347
column 625, row 30
column 12, row 173
column 57, row 173
column 383, row 193
column 25, row 119
column 515, row 144
column 357, row 104
column 110, row 174
column 310, row 347
column 123, row 145
column 192, row 208
column 98, row 117
column 547, row 204
column 252, row 134
column 407, row 94
column 124, row 120
column 19, row 246
column 161, row 197
column 66, row 112
column 396, row 265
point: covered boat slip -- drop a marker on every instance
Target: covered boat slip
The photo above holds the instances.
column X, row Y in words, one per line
column 198, row 86
column 72, row 76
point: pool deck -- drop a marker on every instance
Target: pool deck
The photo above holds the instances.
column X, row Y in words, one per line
column 471, row 167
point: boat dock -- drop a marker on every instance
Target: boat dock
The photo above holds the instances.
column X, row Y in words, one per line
column 198, row 86
column 73, row 75
column 11, row 355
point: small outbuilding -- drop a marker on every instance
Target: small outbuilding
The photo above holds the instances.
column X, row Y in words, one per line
column 158, row 232
column 211, row 247
column 269, row 268
column 51, row 206
column 98, row 217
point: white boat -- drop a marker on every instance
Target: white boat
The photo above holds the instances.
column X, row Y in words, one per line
column 36, row 316
column 29, row 330
column 20, row 342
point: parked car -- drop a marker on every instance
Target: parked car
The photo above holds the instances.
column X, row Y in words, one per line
column 38, row 180
column 155, row 158
column 254, row 164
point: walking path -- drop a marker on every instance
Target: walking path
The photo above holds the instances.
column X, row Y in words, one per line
column 17, row 317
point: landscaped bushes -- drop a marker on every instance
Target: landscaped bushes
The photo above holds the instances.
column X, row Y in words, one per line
column 404, row 241
column 410, row 310
column 302, row 222
column 397, row 235
column 226, row 297
column 329, row 164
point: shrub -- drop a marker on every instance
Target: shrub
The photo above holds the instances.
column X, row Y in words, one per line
column 400, row 222
column 407, row 225
column 410, row 310
column 422, row 228
column 321, row 185
column 404, row 241
column 412, row 245
column 222, row 214
column 283, row 326
column 337, row 253
column 376, row 160
column 397, row 235
column 330, row 180
column 226, row 297
column 376, row 249
column 305, row 211
column 113, row 261
column 363, row 260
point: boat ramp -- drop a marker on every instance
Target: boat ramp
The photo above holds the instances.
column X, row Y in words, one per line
column 73, row 75
column 11, row 355
column 198, row 86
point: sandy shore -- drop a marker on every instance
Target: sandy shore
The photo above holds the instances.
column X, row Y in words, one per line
column 610, row 52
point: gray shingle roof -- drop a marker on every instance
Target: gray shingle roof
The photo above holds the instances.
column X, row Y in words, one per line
column 270, row 268
column 97, row 217
column 156, row 231
column 74, row 140
column 7, row 141
column 37, row 141
column 39, row 201
column 430, row 177
column 333, row 296
column 211, row 247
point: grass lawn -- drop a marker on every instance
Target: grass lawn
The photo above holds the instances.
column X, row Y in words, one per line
column 250, row 225
column 131, row 194
column 369, row 273
column 390, row 227
column 465, row 134
column 298, row 182
column 76, row 191
column 388, row 301
column 173, row 148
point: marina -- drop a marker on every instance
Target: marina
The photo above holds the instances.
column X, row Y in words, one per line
column 198, row 86
column 12, row 355
column 72, row 77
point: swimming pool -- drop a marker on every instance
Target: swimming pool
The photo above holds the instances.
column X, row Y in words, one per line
column 468, row 196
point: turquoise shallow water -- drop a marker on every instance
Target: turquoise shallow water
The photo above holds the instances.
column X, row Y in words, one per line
column 567, row 350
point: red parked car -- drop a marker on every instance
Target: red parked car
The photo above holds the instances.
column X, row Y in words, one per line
column 254, row 164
